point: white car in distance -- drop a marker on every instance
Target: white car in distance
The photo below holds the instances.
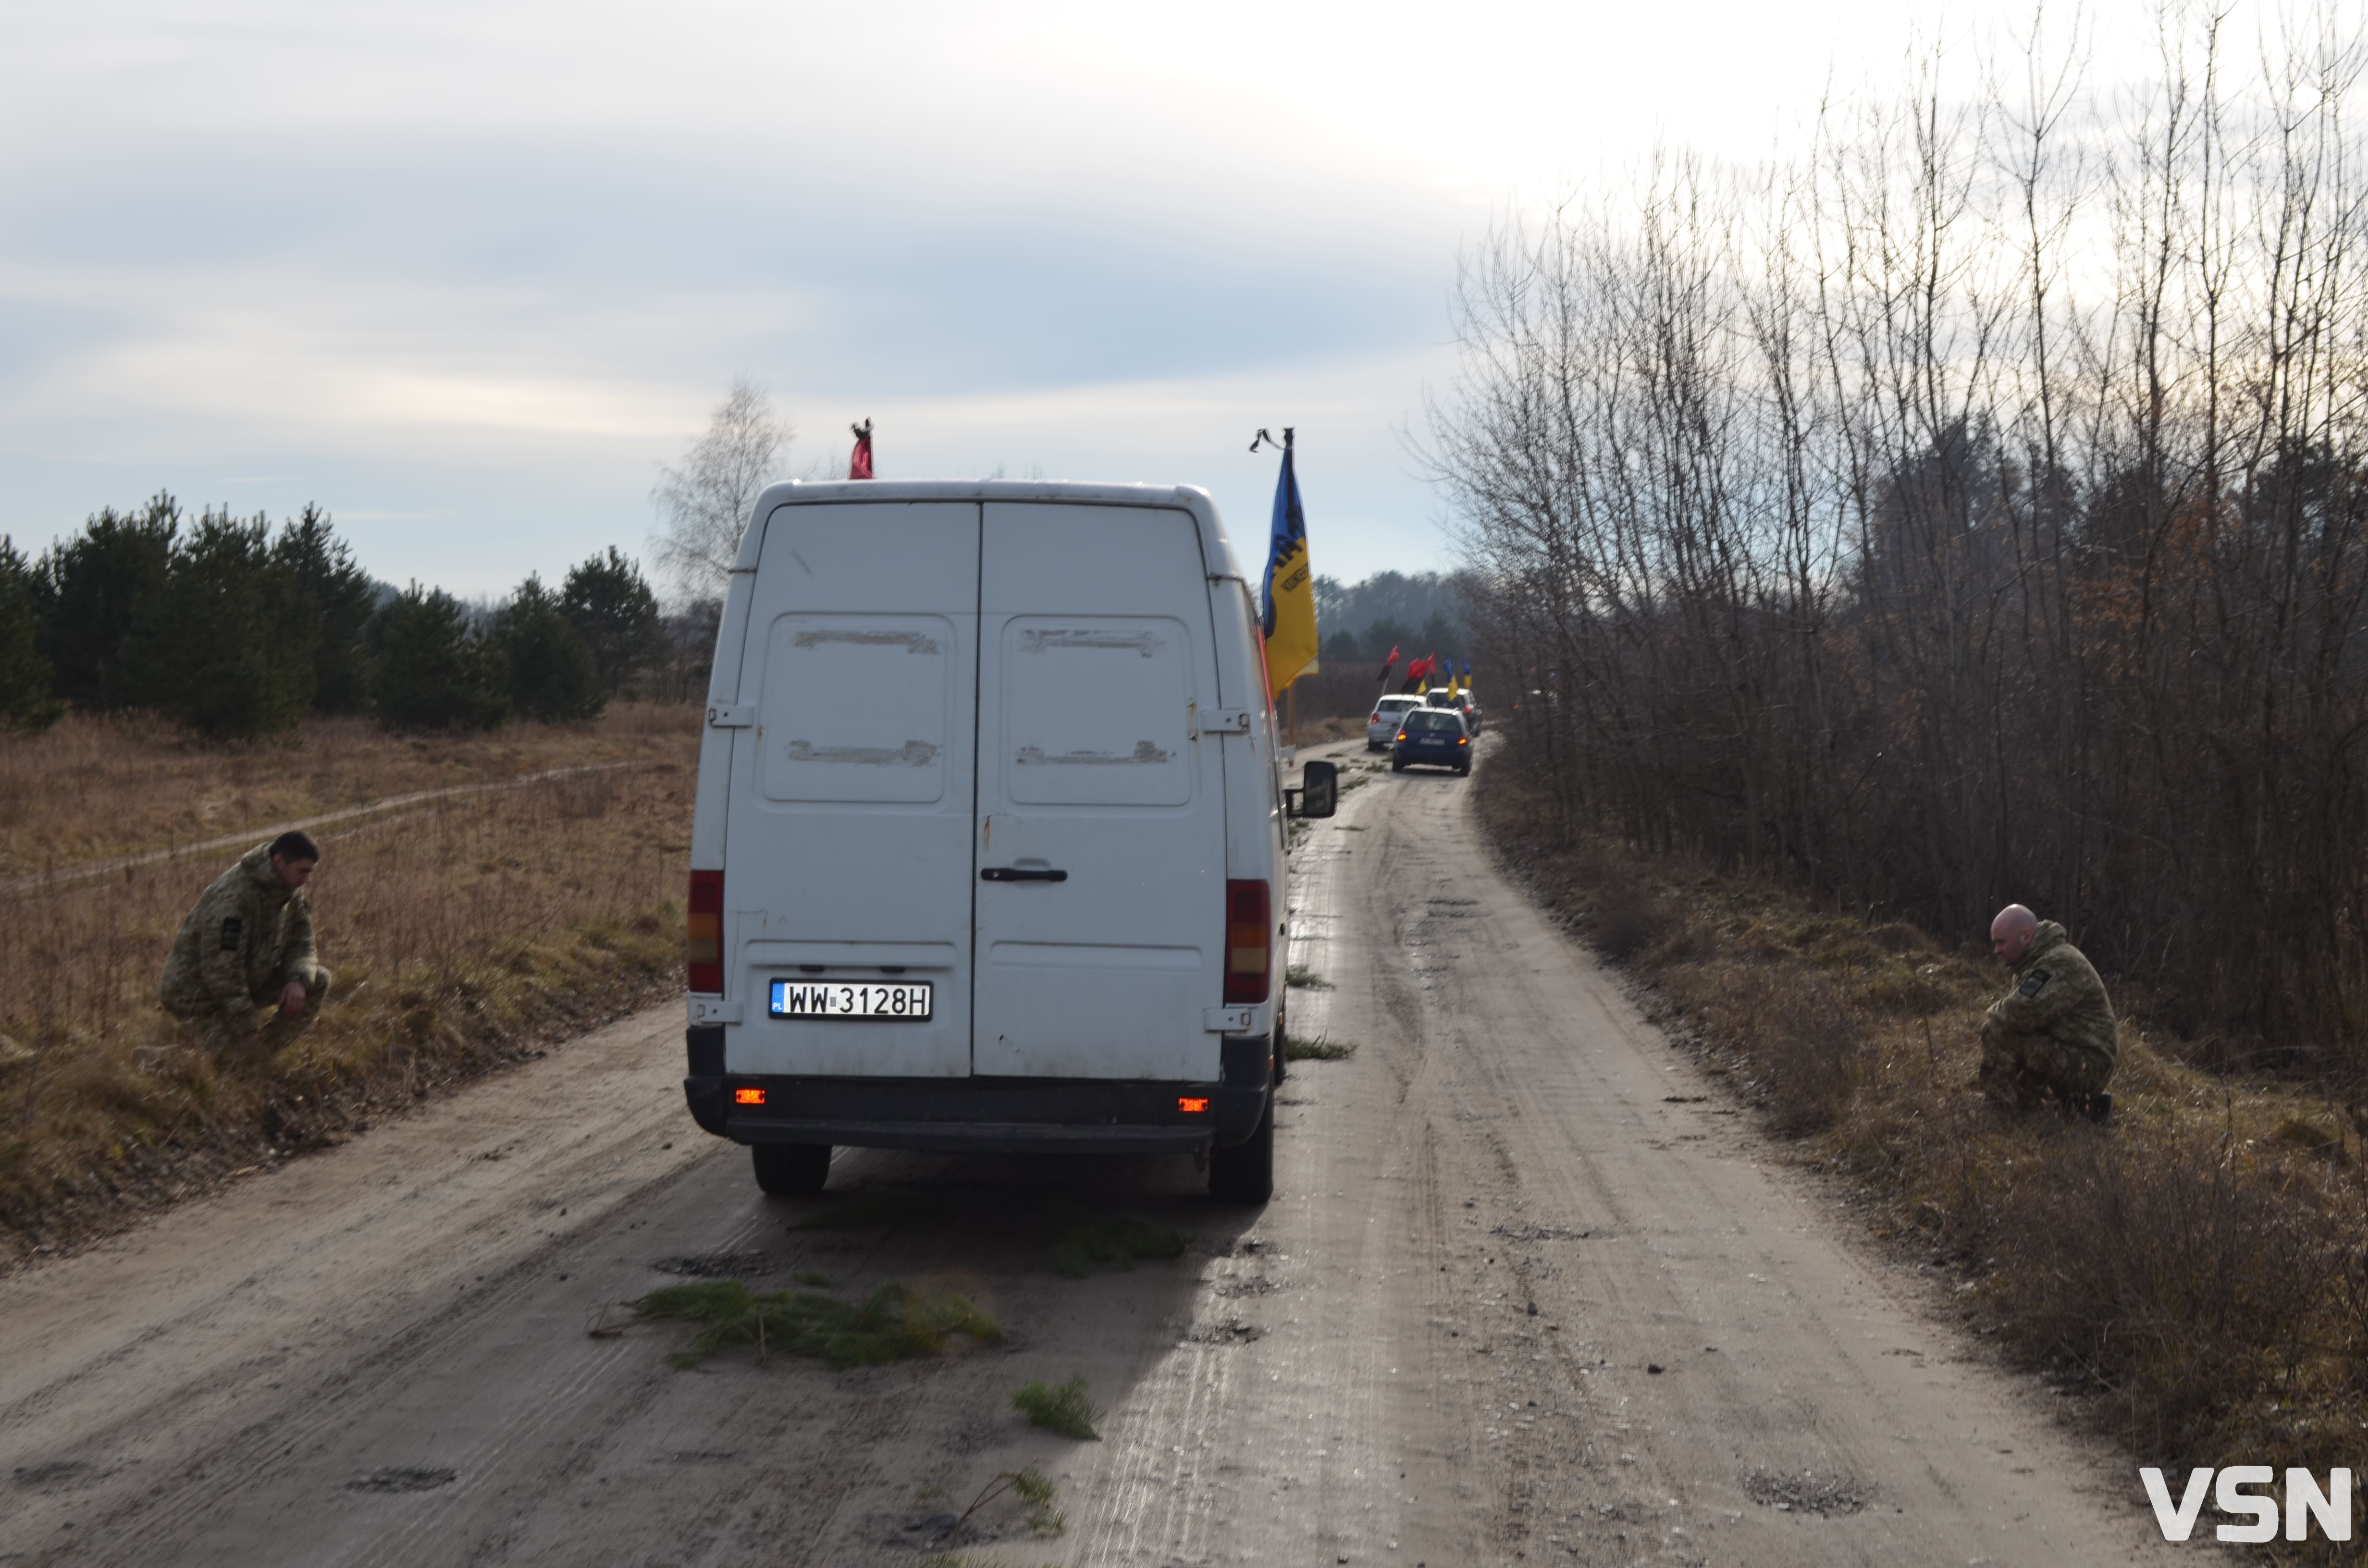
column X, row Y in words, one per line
column 1381, row 724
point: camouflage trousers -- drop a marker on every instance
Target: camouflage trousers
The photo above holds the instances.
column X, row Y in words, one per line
column 224, row 1035
column 2022, row 1072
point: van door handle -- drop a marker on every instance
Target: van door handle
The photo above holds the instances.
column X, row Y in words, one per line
column 1021, row 874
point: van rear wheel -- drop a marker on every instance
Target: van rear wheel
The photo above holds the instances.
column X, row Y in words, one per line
column 791, row 1170
column 1245, row 1173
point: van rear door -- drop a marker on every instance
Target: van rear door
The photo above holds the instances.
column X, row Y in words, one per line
column 849, row 830
column 1100, row 852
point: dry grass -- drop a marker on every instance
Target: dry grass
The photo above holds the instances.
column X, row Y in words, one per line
column 94, row 788
column 461, row 933
column 895, row 1323
column 2196, row 1273
column 1062, row 1408
column 1323, row 731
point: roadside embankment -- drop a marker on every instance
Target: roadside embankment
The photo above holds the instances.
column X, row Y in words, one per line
column 2194, row 1275
column 464, row 931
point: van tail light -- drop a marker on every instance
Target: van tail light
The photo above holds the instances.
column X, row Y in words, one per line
column 703, row 933
column 1249, row 941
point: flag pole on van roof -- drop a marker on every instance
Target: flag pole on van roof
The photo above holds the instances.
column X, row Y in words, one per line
column 1290, row 621
column 858, row 462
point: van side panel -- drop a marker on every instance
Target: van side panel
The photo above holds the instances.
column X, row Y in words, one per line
column 851, row 791
column 1254, row 825
column 1101, row 919
column 710, row 804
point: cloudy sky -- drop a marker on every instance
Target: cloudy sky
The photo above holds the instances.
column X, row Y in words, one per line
column 465, row 272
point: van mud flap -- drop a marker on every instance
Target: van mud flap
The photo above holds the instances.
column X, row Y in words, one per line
column 704, row 1088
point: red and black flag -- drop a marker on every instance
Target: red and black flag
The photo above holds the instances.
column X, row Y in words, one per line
column 859, row 464
column 1387, row 665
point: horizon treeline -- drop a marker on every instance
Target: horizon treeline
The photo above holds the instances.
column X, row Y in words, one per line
column 237, row 630
column 1973, row 508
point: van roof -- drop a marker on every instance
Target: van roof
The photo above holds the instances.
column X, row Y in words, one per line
column 1215, row 548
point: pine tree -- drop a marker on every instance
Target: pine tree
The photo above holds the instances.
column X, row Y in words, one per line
column 102, row 603
column 431, row 673
column 338, row 597
column 25, row 700
column 243, row 639
column 552, row 673
column 617, row 616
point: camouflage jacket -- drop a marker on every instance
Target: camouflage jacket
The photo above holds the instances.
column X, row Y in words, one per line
column 247, row 936
column 2056, row 992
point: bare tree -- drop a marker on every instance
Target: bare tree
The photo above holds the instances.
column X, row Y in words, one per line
column 1974, row 506
column 703, row 505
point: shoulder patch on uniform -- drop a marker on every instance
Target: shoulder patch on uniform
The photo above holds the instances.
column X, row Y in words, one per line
column 231, row 925
column 2035, row 982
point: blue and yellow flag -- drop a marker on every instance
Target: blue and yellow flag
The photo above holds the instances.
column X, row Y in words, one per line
column 1290, row 622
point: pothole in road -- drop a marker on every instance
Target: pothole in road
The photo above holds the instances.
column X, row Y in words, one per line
column 405, row 1478
column 1233, row 1331
column 42, row 1474
column 1804, row 1493
column 714, row 1266
column 1256, row 1285
column 1541, row 1234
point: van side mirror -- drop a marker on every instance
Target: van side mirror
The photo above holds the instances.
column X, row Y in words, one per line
column 1319, row 791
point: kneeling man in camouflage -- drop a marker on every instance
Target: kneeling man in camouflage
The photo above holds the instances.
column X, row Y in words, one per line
column 246, row 945
column 2052, row 1034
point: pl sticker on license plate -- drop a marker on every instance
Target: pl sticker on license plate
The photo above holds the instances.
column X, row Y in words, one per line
column 850, row 999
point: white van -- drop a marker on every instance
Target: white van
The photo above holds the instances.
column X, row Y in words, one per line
column 988, row 851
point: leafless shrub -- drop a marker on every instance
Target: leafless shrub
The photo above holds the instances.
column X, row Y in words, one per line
column 2181, row 1279
column 1803, row 1040
column 1625, row 921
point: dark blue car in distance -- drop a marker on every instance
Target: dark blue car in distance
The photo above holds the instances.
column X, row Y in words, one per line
column 1433, row 737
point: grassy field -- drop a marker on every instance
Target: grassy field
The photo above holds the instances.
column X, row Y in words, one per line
column 462, row 932
column 93, row 788
column 2193, row 1278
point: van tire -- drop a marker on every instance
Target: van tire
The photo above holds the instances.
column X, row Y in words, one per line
column 791, row 1170
column 1245, row 1173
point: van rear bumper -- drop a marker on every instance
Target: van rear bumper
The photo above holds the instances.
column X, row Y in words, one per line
column 1015, row 1116
column 1080, row 1116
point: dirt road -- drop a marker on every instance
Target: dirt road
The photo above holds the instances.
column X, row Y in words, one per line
column 1529, row 1292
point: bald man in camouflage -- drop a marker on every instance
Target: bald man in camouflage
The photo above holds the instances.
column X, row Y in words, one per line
column 247, row 943
column 2051, row 1036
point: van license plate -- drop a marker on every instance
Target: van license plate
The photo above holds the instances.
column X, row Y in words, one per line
column 850, row 999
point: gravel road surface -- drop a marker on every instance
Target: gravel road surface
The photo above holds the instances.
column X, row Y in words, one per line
column 1530, row 1291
